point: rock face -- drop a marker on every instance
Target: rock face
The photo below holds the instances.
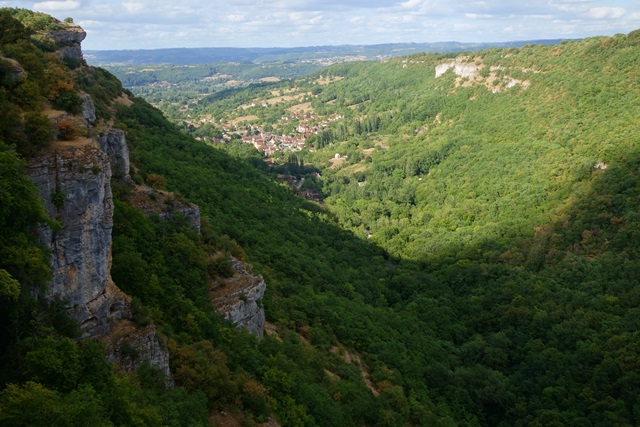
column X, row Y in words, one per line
column 88, row 109
column 113, row 142
column 164, row 204
column 131, row 345
column 462, row 69
column 190, row 211
column 68, row 41
column 237, row 298
column 74, row 185
column 470, row 74
column 74, row 181
column 14, row 66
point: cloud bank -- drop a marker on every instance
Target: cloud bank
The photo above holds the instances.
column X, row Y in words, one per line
column 149, row 24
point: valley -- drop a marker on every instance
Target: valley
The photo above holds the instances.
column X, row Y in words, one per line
column 445, row 238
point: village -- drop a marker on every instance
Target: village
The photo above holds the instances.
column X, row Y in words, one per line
column 270, row 143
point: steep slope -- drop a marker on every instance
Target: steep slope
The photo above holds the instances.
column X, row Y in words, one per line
column 509, row 176
column 504, row 324
column 480, row 149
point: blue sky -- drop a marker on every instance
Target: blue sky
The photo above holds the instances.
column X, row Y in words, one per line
column 150, row 24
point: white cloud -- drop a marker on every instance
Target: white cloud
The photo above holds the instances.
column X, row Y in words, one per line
column 133, row 7
column 477, row 16
column 606, row 12
column 236, row 18
column 195, row 23
column 57, row 6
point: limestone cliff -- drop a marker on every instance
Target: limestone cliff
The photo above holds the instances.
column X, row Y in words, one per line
column 165, row 204
column 74, row 184
column 15, row 68
column 113, row 142
column 74, row 181
column 238, row 298
column 473, row 72
column 130, row 345
column 68, row 41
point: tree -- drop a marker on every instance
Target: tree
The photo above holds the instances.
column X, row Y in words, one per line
column 38, row 131
column 11, row 30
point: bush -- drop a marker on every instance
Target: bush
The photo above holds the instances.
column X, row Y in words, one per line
column 38, row 131
column 220, row 266
column 57, row 198
column 69, row 101
column 155, row 180
column 66, row 130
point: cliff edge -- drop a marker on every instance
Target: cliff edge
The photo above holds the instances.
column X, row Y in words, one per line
column 74, row 177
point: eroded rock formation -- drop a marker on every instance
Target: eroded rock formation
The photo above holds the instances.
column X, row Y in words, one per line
column 114, row 143
column 68, row 41
column 238, row 298
column 74, row 180
column 74, row 184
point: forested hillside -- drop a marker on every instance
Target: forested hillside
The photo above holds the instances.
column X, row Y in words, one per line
column 475, row 261
column 507, row 186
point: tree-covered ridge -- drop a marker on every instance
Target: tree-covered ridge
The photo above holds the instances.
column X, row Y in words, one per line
column 465, row 164
column 49, row 377
column 425, row 148
column 520, row 203
column 323, row 55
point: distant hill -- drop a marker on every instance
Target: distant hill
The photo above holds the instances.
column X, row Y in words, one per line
column 206, row 55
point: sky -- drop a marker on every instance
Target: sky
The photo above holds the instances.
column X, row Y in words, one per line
column 154, row 24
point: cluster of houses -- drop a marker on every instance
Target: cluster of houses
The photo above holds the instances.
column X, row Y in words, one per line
column 269, row 143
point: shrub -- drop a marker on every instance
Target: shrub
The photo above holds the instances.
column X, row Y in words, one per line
column 57, row 198
column 38, row 131
column 66, row 130
column 69, row 101
column 220, row 266
column 155, row 180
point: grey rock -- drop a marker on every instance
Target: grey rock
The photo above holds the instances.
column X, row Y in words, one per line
column 88, row 109
column 16, row 69
column 71, row 34
column 68, row 41
column 132, row 345
column 114, row 143
column 190, row 211
column 74, row 184
column 75, row 187
column 164, row 204
column 238, row 298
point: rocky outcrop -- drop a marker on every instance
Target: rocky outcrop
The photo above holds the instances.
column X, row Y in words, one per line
column 114, row 143
column 189, row 211
column 469, row 72
column 460, row 68
column 74, row 181
column 68, row 41
column 164, row 204
column 15, row 68
column 131, row 345
column 74, row 184
column 238, row 298
column 88, row 108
